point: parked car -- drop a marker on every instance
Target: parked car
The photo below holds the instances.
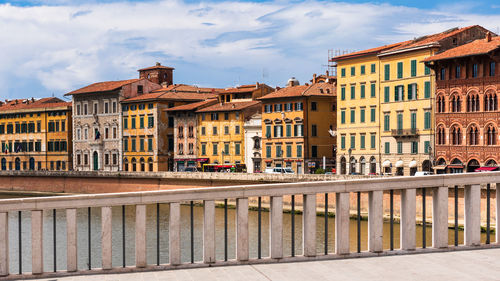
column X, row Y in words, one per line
column 279, row 170
column 191, row 169
column 423, row 173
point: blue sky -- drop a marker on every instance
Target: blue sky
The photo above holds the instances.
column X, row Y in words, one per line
column 53, row 47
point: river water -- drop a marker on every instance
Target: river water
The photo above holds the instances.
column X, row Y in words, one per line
column 95, row 246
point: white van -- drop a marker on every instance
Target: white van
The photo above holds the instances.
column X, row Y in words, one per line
column 279, row 170
column 423, row 173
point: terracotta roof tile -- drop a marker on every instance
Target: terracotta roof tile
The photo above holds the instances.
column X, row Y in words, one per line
column 229, row 106
column 102, row 87
column 368, row 51
column 177, row 92
column 156, row 67
column 477, row 47
column 192, row 106
column 317, row 89
column 29, row 104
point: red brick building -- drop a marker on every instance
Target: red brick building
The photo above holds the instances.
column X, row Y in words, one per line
column 467, row 111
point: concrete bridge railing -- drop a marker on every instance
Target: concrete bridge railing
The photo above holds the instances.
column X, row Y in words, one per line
column 407, row 187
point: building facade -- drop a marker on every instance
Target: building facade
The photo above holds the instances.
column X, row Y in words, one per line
column 298, row 127
column 97, row 127
column 149, row 142
column 467, row 112
column 36, row 134
column 253, row 139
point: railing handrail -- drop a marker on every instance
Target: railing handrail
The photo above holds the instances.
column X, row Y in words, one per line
column 245, row 191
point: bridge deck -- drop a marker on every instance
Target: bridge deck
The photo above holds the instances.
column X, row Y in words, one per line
column 461, row 265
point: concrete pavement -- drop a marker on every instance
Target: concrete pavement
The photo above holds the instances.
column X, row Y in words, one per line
column 458, row 265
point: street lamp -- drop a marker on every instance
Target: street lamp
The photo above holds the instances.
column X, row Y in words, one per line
column 349, row 159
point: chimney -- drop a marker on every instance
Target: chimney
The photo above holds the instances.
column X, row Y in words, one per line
column 158, row 64
column 488, row 36
column 314, row 78
column 257, row 85
column 164, row 84
column 278, row 88
column 327, row 73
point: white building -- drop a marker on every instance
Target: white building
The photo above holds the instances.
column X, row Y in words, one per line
column 253, row 136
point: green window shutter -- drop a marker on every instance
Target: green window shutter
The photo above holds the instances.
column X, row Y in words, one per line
column 387, row 148
column 288, row 151
column 427, row 120
column 362, row 69
column 342, row 93
column 400, row 121
column 353, row 116
column 363, row 91
column 400, row 70
column 427, row 71
column 373, row 68
column 410, row 93
column 150, row 144
column 203, row 149
column 396, row 93
column 342, row 142
column 386, row 94
column 400, row 147
column 268, row 151
column 414, row 147
column 372, row 114
column 353, row 141
column 362, row 115
column 288, row 130
column 353, row 71
column 413, row 68
column 427, row 144
column 427, row 89
column 387, row 72
column 299, row 150
column 362, row 142
column 237, row 148
column 353, row 92
column 413, row 120
column 342, row 117
column 387, row 125
column 268, row 131
column 342, row 72
column 372, row 141
column 372, row 90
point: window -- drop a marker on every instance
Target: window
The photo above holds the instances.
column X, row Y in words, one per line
column 141, row 122
column 85, row 109
column 214, row 149
column 278, row 131
column 474, row 71
column 492, row 68
column 298, row 106
column 214, row 116
column 400, row 70
column 151, row 121
column 353, row 116
column 400, row 121
column 362, row 70
column 268, row 151
column 106, row 110
column 342, row 141
column 133, row 142
column 226, row 130
column 457, row 71
column 150, row 144
column 353, row 92
column 125, row 123
column 427, row 71
column 268, row 131
column 237, row 115
column 279, row 152
column 387, row 124
column 141, row 144
column 362, row 115
column 77, row 109
column 278, row 107
column 353, row 141
column 372, row 114
column 362, row 141
column 237, row 148
column 226, row 149
column 372, row 141
column 268, row 108
column 427, row 89
column 412, row 91
column 203, row 131
column 399, row 93
column 413, row 120
column 203, row 149
column 314, row 130
column 387, row 148
column 372, row 90
column 314, row 151
column 132, row 122
column 386, row 94
column 427, row 120
column 314, row 106
column 362, row 94
column 114, row 111
column 413, row 68
column 342, row 93
column 342, row 72
column 427, row 145
column 214, row 131
column 299, row 150
column 288, row 150
column 372, row 68
column 400, row 147
column 140, row 88
column 342, row 116
column 442, row 75
column 106, row 133
column 414, row 147
column 298, row 130
column 226, row 115
column 289, row 130
column 353, row 70
column 237, row 129
column 106, row 159
column 387, row 72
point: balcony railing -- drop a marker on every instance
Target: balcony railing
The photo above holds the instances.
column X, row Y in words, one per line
column 406, row 187
column 404, row 132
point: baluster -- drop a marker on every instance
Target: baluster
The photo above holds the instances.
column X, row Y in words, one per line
column 140, row 236
column 242, row 253
column 497, row 225
column 408, row 219
column 342, row 223
column 71, row 239
column 4, row 244
column 106, row 237
column 309, row 225
column 472, row 215
column 375, row 221
column 440, row 217
column 276, row 227
column 37, row 242
column 174, row 234
column 209, row 231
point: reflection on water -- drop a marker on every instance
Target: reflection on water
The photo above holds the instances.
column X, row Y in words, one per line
column 117, row 252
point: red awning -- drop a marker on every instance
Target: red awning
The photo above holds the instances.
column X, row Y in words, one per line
column 486, row 169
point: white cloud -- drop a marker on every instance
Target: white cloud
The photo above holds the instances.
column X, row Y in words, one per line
column 69, row 45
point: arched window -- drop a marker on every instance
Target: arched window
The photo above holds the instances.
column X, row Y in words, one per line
column 456, row 135
column 4, row 164
column 134, row 165
column 150, row 164
column 440, row 104
column 473, row 135
column 441, row 137
column 472, row 103
column 455, row 104
column 490, row 102
column 125, row 164
column 491, row 135
column 143, row 166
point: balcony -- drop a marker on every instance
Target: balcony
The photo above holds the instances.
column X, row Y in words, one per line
column 402, row 133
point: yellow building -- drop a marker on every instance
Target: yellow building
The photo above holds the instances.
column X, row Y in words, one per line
column 220, row 134
column 407, row 100
column 358, row 122
column 385, row 102
column 298, row 126
column 36, row 134
column 148, row 129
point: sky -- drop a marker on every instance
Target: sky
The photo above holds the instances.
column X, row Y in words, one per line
column 49, row 48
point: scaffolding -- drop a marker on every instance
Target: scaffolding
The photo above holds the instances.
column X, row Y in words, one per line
column 332, row 66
